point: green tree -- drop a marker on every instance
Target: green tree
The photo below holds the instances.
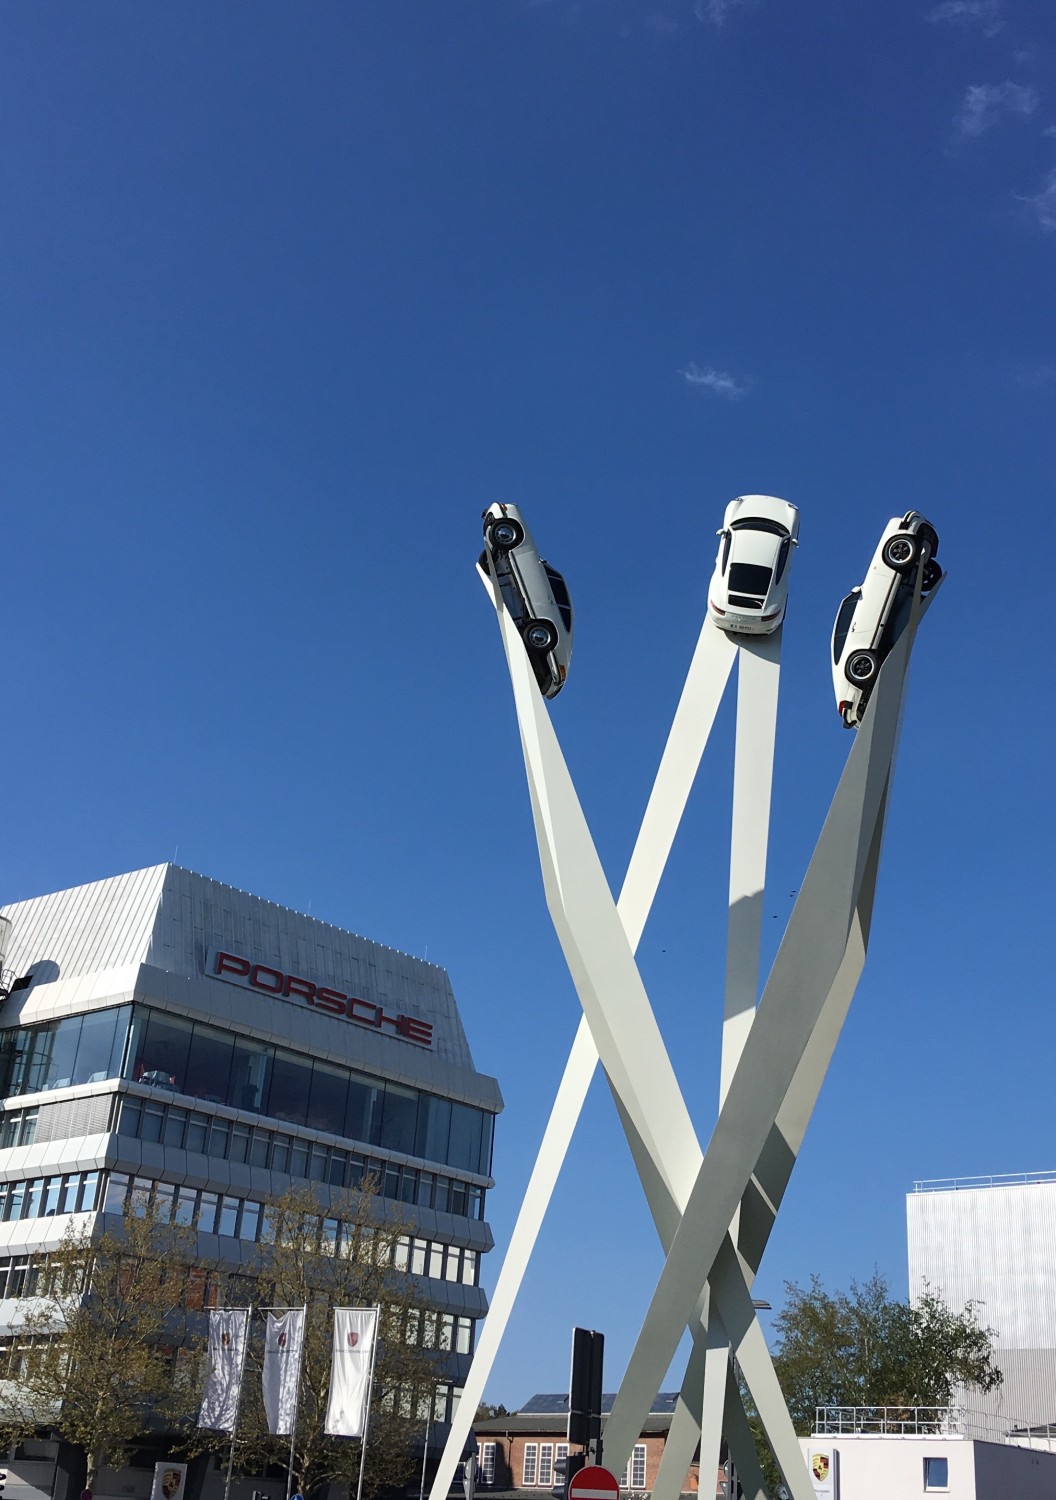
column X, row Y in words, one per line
column 303, row 1263
column 108, row 1347
column 866, row 1348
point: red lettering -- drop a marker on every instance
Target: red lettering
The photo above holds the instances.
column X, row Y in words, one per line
column 229, row 963
column 321, row 997
column 331, row 1001
column 417, row 1031
column 369, row 1020
column 304, row 989
column 255, row 979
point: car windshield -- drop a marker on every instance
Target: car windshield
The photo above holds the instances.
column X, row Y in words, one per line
column 749, row 578
column 757, row 523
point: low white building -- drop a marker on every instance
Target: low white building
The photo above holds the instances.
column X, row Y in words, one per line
column 876, row 1453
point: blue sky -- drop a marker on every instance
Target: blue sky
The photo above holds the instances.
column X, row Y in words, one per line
column 291, row 292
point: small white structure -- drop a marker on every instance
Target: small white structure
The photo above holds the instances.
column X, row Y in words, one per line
column 883, row 1453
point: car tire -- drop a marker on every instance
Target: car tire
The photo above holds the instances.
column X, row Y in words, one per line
column 505, row 534
column 901, row 551
column 861, row 667
column 932, row 574
column 539, row 635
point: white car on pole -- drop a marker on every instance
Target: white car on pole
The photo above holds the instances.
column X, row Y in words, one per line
column 748, row 592
column 534, row 593
column 871, row 617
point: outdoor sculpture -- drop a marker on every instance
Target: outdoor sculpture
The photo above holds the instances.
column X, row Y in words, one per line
column 713, row 1210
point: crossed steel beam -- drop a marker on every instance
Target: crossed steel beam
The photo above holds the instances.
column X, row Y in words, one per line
column 763, row 1114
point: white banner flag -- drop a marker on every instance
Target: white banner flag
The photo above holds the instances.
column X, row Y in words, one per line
column 283, row 1341
column 227, row 1347
column 355, row 1329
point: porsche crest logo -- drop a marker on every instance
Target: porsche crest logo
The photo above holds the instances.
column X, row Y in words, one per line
column 819, row 1465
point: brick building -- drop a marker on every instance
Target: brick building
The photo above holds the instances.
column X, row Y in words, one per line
column 517, row 1453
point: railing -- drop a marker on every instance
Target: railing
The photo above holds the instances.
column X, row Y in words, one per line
column 925, row 1421
column 964, row 1184
column 884, row 1421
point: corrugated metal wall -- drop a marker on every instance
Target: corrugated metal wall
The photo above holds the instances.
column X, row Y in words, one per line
column 105, row 925
column 996, row 1246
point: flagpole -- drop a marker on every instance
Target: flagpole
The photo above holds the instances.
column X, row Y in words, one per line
column 238, row 1401
column 297, row 1403
column 425, row 1446
column 370, row 1392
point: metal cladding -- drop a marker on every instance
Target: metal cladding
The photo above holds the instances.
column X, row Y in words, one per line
column 993, row 1242
column 149, row 935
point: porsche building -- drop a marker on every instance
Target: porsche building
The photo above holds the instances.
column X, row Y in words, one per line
column 163, row 1033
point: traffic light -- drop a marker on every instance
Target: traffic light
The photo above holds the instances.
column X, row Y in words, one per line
column 564, row 1470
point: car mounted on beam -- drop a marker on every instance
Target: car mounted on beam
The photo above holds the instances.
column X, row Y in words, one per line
column 534, row 593
column 872, row 616
column 748, row 593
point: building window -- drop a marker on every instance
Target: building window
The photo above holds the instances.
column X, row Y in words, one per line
column 531, row 1464
column 936, row 1473
column 487, row 1463
column 634, row 1473
column 546, row 1464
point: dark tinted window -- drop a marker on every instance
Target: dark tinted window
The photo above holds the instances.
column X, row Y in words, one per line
column 843, row 625
column 750, row 578
column 399, row 1118
column 782, row 558
column 291, row 1080
column 560, row 593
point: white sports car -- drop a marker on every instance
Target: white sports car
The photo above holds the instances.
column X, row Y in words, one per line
column 534, row 593
column 870, row 619
column 749, row 588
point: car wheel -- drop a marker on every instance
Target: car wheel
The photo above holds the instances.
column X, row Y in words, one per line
column 901, row 551
column 505, row 534
column 861, row 667
column 932, row 574
column 540, row 635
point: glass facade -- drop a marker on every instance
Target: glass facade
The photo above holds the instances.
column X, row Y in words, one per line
column 76, row 1049
column 244, row 1219
column 189, row 1057
column 43, row 1197
column 314, row 1161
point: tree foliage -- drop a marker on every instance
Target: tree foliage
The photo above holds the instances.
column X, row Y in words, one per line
column 109, row 1345
column 301, row 1265
column 866, row 1348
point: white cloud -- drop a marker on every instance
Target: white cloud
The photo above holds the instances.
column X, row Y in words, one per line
column 985, row 13
column 985, row 103
column 714, row 12
column 1044, row 203
column 716, row 382
column 1036, row 377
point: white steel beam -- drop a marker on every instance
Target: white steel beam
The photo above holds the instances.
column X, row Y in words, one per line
column 615, row 1003
column 704, row 687
column 808, row 965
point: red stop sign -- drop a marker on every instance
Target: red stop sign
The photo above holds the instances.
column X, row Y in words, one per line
column 593, row 1484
